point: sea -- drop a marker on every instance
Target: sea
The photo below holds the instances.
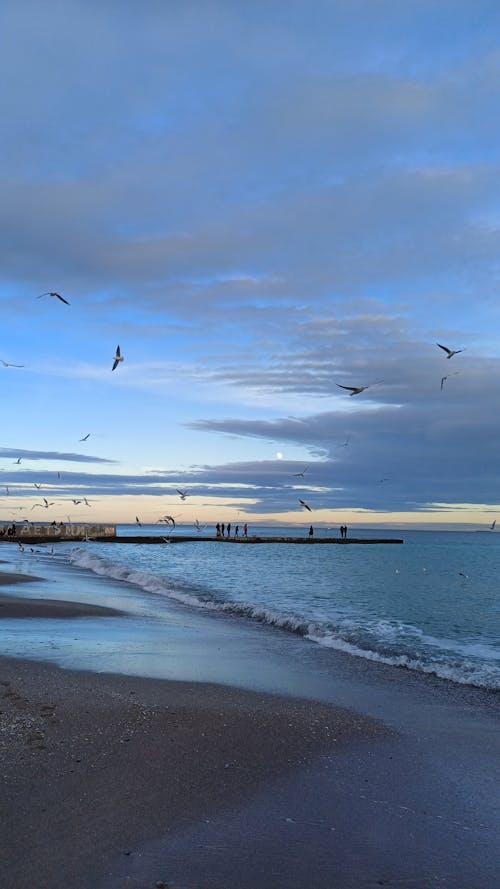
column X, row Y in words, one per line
column 430, row 605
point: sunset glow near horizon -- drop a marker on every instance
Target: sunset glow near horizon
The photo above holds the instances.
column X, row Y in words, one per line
column 260, row 208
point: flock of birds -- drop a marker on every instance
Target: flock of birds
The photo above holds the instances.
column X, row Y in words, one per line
column 118, row 358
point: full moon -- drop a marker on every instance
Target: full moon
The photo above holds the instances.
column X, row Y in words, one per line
column 279, row 455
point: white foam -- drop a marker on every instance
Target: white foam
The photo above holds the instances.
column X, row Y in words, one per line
column 386, row 633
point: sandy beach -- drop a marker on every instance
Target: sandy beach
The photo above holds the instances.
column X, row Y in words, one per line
column 120, row 781
column 95, row 765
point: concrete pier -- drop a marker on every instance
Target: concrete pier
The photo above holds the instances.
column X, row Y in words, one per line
column 245, row 541
column 32, row 533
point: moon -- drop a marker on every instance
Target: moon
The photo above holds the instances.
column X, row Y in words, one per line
column 279, row 455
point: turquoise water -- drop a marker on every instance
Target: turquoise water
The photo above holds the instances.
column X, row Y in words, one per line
column 431, row 604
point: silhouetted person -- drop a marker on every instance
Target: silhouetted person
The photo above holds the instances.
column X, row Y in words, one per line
column 229, row 529
column 311, row 532
column 245, row 530
column 236, row 531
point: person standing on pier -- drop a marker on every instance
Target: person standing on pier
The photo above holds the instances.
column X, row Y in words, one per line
column 229, row 529
column 311, row 532
column 237, row 531
column 245, row 530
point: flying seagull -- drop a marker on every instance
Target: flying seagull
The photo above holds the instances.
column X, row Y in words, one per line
column 167, row 520
column 304, row 504
column 492, row 526
column 52, row 293
column 356, row 390
column 449, row 352
column 18, row 461
column 301, row 474
column 138, row 522
column 45, row 504
column 8, row 364
column 118, row 358
column 183, row 494
column 85, row 437
column 454, row 374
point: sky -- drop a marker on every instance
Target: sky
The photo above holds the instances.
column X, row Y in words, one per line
column 259, row 203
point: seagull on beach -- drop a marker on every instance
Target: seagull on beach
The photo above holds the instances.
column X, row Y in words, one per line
column 8, row 364
column 85, row 437
column 356, row 390
column 304, row 504
column 52, row 293
column 117, row 359
column 449, row 352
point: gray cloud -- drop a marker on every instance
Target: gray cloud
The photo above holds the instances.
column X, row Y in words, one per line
column 28, row 455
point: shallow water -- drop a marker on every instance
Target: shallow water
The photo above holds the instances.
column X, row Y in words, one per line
column 431, row 604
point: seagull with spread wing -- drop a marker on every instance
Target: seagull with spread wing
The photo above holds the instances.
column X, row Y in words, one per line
column 449, row 352
column 182, row 494
column 304, row 504
column 118, row 357
column 8, row 364
column 443, row 379
column 356, row 390
column 85, row 437
column 301, row 474
column 53, row 293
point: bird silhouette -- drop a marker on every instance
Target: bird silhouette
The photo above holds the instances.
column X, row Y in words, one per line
column 117, row 359
column 53, row 293
column 449, row 352
column 356, row 390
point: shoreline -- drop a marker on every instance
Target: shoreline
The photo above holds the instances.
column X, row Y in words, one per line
column 346, row 773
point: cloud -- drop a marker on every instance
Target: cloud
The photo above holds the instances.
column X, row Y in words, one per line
column 61, row 456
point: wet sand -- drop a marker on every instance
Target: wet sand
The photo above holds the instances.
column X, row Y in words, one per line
column 15, row 606
column 11, row 606
column 94, row 766
column 7, row 579
column 117, row 781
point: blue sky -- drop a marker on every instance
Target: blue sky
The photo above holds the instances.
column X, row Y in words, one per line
column 257, row 202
